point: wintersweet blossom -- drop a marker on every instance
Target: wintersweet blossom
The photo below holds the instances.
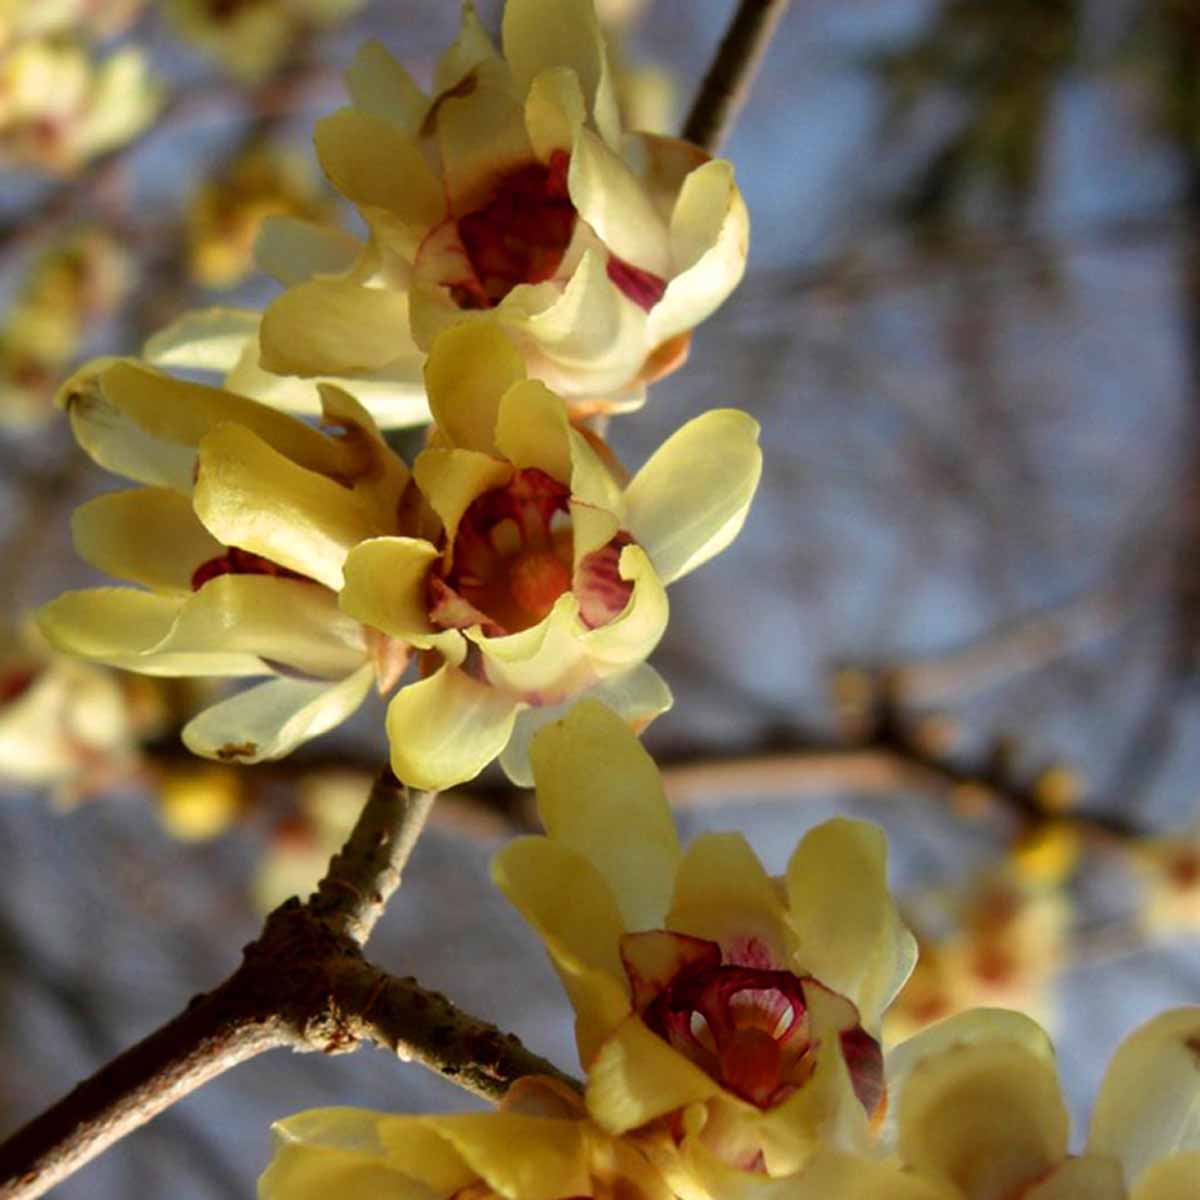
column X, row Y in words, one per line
column 238, row 539
column 510, row 193
column 59, row 107
column 977, row 1114
column 251, row 38
column 538, row 1146
column 728, row 1019
column 543, row 572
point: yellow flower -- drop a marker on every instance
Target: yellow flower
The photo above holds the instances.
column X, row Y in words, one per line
column 977, row 1113
column 75, row 284
column 1169, row 871
column 537, row 1147
column 250, row 38
column 729, row 1018
column 39, row 18
column 543, row 575
column 511, row 193
column 239, row 537
column 225, row 213
column 59, row 107
column 65, row 725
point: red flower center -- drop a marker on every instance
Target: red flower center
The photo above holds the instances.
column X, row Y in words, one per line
column 15, row 682
column 519, row 236
column 747, row 1027
column 513, row 558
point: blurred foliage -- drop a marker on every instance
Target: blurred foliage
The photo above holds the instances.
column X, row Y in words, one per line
column 1164, row 51
column 995, row 66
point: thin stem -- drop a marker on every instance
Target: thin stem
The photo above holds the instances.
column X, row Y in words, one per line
column 732, row 73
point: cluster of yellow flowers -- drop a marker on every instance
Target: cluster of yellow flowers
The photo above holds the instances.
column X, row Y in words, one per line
column 59, row 105
column 75, row 284
column 529, row 268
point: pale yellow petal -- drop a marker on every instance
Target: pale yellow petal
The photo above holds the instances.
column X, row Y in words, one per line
column 691, row 499
column 848, row 931
column 271, row 719
column 834, row 1173
column 534, row 1158
column 445, row 729
column 148, row 535
column 375, row 164
column 582, row 938
column 599, row 793
column 544, row 664
column 986, row 1117
column 292, row 250
column 471, row 48
column 710, row 238
column 1176, row 1178
column 540, row 34
column 333, row 327
column 532, row 430
column 615, row 203
column 1148, row 1106
column 386, row 586
column 637, row 696
column 203, row 339
column 471, row 366
column 724, row 894
column 631, row 636
column 554, row 111
column 636, row 1076
column 482, row 138
column 452, row 479
column 381, row 87
column 1088, row 1178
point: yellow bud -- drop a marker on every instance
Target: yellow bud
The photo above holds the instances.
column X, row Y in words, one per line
column 199, row 802
column 1057, row 790
column 1048, row 854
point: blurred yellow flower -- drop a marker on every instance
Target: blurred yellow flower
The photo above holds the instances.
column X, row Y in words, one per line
column 251, row 38
column 728, row 1018
column 98, row 19
column 543, row 573
column 64, row 725
column 538, row 1146
column 1007, row 941
column 60, row 107
column 77, row 283
column 240, row 537
column 511, row 194
column 225, row 213
column 977, row 1114
column 197, row 801
column 1169, row 872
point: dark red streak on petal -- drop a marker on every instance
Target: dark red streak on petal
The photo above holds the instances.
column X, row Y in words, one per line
column 644, row 288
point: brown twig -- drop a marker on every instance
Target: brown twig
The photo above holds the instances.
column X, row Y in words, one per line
column 732, row 73
column 303, row 984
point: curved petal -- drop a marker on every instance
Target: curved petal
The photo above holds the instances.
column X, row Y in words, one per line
column 724, row 895
column 451, row 479
column 204, row 339
column 1148, row 1106
column 471, row 366
column 381, row 87
column 540, row 34
column 615, row 203
column 1173, row 1179
column 147, row 535
column 637, row 696
column 691, row 499
column 292, row 250
column 271, row 719
column 532, row 430
column 985, row 1116
column 965, row 1029
column 710, row 239
column 248, row 495
column 1088, row 1178
column 848, row 931
column 631, row 637
column 535, row 1158
column 445, row 729
column 333, row 327
column 544, row 664
column 599, row 793
column 469, row 50
column 581, row 937
column 385, row 586
column 554, row 111
column 849, row 1177
column 481, row 136
column 375, row 164
column 636, row 1076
